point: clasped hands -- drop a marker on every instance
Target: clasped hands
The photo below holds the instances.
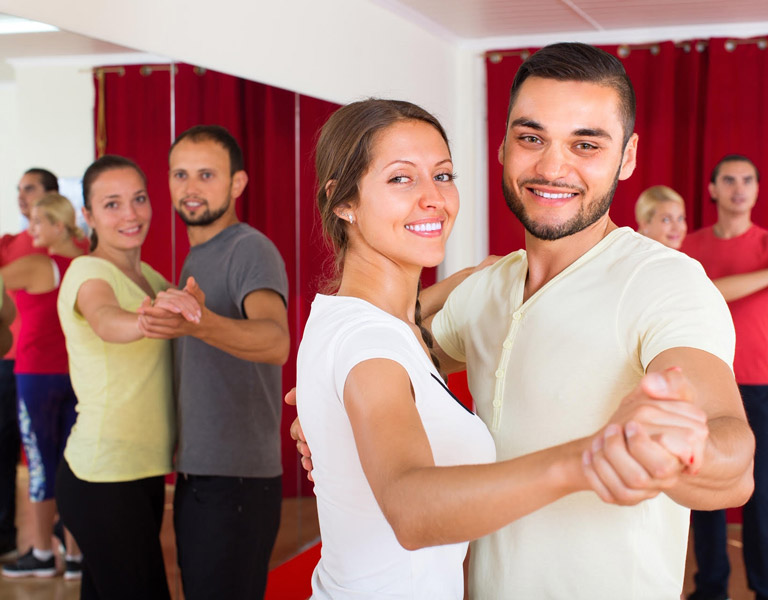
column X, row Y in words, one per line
column 173, row 313
column 655, row 436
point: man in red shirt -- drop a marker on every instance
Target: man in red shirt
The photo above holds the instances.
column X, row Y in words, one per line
column 734, row 253
column 32, row 186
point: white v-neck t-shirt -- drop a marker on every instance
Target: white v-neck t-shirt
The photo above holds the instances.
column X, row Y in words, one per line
column 361, row 558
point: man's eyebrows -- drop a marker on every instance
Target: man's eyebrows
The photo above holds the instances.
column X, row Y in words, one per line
column 595, row 132
column 526, row 122
column 592, row 132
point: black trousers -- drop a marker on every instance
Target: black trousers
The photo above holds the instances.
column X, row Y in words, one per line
column 117, row 526
column 9, row 455
column 709, row 527
column 225, row 530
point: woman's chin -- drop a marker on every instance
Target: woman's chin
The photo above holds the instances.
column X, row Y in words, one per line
column 429, row 262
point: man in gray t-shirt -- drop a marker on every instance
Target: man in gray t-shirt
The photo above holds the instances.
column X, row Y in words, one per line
column 231, row 333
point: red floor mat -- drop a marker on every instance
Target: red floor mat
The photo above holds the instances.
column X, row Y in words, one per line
column 292, row 580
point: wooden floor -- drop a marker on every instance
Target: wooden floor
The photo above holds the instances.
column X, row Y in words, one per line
column 298, row 529
column 738, row 583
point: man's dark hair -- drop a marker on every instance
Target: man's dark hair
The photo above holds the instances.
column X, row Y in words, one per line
column 573, row 61
column 218, row 134
column 732, row 158
column 48, row 180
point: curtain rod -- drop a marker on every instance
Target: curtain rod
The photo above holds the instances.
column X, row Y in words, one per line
column 145, row 70
column 101, row 118
column 624, row 50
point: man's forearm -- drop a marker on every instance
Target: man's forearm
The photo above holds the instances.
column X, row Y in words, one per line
column 255, row 340
column 6, row 339
column 725, row 479
column 734, row 287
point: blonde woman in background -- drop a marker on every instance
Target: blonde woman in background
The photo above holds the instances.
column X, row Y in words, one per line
column 46, row 402
column 660, row 214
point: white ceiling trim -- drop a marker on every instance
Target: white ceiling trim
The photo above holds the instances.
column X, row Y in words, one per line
column 620, row 36
column 88, row 60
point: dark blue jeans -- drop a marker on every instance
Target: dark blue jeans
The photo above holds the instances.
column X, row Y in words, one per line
column 709, row 536
column 9, row 455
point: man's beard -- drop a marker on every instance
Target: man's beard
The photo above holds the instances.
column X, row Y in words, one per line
column 586, row 216
column 206, row 217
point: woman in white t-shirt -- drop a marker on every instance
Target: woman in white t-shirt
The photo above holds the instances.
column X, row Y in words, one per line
column 399, row 464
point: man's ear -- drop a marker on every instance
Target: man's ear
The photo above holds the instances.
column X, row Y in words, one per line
column 629, row 159
column 239, row 181
column 711, row 190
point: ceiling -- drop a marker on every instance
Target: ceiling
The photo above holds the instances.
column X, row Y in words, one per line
column 471, row 19
column 464, row 19
column 56, row 43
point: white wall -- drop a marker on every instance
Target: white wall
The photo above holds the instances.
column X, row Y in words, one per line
column 46, row 120
column 334, row 49
column 8, row 176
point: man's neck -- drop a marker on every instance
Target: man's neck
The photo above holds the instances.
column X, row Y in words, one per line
column 730, row 225
column 547, row 259
column 198, row 234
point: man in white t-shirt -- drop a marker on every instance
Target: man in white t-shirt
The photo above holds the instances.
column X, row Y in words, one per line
column 557, row 338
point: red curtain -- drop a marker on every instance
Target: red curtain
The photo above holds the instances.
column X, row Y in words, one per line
column 276, row 130
column 696, row 102
column 504, row 230
column 135, row 101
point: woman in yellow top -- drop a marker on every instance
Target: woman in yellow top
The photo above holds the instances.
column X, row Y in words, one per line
column 110, row 485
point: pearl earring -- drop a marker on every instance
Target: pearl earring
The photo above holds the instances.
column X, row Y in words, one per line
column 351, row 219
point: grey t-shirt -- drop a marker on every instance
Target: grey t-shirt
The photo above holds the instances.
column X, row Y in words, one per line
column 229, row 408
